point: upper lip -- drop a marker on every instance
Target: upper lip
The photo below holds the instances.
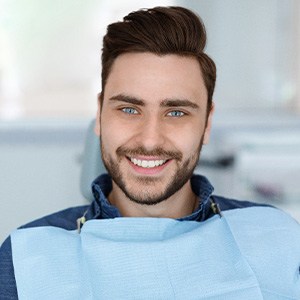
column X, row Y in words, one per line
column 147, row 158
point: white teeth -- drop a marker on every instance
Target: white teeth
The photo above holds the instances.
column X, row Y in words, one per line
column 151, row 164
column 147, row 163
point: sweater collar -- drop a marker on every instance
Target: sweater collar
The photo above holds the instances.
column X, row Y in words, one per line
column 102, row 209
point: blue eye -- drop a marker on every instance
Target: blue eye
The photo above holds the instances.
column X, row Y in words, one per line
column 129, row 110
column 176, row 113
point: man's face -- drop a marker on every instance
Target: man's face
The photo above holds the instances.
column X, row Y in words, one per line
column 153, row 124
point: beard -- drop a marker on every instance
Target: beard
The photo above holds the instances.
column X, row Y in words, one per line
column 149, row 192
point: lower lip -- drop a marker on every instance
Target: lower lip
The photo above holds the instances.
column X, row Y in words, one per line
column 149, row 171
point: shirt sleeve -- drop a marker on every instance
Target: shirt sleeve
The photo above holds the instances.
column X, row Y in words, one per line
column 8, row 287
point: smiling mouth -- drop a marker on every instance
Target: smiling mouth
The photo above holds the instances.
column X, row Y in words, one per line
column 147, row 163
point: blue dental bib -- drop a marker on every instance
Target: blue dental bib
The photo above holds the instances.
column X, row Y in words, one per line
column 233, row 257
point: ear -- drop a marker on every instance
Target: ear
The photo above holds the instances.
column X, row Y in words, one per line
column 97, row 124
column 208, row 125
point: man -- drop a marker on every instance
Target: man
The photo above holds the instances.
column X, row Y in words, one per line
column 155, row 231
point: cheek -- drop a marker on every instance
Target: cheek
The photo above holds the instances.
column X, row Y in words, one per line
column 187, row 138
column 187, row 144
column 113, row 134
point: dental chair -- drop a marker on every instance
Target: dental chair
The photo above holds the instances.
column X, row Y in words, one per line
column 92, row 165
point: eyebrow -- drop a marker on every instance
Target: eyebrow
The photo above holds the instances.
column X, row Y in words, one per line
column 179, row 102
column 164, row 103
column 128, row 99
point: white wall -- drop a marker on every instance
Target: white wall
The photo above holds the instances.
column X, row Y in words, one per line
column 255, row 45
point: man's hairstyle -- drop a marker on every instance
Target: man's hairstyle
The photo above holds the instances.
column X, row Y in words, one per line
column 161, row 31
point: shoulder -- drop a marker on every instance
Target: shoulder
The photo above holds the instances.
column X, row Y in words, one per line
column 65, row 219
column 263, row 225
column 8, row 288
column 229, row 204
column 269, row 240
column 250, row 214
column 263, row 218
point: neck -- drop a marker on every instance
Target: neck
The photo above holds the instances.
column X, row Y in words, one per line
column 182, row 203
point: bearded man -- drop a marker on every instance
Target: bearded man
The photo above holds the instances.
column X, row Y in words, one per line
column 155, row 230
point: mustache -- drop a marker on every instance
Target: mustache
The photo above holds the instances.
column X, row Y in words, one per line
column 160, row 152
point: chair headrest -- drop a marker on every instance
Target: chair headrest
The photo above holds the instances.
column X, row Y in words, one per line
column 92, row 165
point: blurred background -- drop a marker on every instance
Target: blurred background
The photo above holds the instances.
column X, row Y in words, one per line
column 50, row 76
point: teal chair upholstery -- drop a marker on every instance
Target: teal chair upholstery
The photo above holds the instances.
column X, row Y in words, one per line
column 92, row 165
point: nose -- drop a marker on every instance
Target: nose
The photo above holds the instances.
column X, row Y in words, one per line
column 151, row 134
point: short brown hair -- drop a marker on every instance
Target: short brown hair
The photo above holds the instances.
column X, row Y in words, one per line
column 160, row 30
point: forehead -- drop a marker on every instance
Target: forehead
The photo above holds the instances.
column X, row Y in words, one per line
column 152, row 77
